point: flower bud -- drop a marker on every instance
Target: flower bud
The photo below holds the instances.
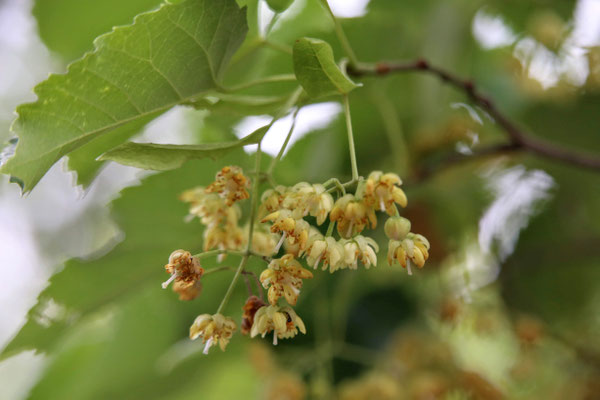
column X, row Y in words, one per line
column 397, row 228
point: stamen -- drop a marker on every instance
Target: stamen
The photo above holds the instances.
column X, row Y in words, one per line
column 274, row 338
column 283, row 236
column 381, row 204
column 408, row 267
column 349, row 233
column 166, row 283
column 318, row 261
column 207, row 345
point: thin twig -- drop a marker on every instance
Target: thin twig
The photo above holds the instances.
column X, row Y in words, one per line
column 456, row 158
column 518, row 137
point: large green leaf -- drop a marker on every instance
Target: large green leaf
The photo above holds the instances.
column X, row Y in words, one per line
column 163, row 157
column 58, row 19
column 165, row 58
column 317, row 71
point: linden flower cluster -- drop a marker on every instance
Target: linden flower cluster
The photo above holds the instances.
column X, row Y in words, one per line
column 289, row 217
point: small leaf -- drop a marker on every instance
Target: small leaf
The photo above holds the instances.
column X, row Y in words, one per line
column 316, row 70
column 167, row 57
column 279, row 5
column 163, row 157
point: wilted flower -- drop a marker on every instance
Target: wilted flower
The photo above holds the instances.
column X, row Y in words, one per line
column 360, row 248
column 214, row 329
column 325, row 249
column 413, row 248
column 352, row 215
column 284, row 277
column 230, row 183
column 253, row 304
column 187, row 290
column 283, row 321
column 383, row 190
column 183, row 268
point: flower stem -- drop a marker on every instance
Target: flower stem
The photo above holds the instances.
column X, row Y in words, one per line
column 330, row 228
column 238, row 272
column 285, row 143
column 350, row 139
column 341, row 35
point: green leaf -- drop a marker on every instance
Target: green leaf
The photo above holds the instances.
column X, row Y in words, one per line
column 58, row 19
column 315, row 69
column 163, row 157
column 165, row 58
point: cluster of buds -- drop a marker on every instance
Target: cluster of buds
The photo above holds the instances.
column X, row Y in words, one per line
column 290, row 212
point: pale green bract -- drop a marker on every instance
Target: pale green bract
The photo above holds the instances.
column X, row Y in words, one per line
column 167, row 57
column 163, row 157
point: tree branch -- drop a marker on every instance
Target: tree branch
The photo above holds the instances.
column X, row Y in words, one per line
column 519, row 139
column 457, row 158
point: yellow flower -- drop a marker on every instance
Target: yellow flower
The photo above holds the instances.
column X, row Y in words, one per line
column 264, row 243
column 223, row 238
column 325, row 249
column 309, row 199
column 210, row 208
column 352, row 216
column 284, row 277
column 214, row 329
column 383, row 190
column 194, row 195
column 183, row 268
column 231, row 185
column 296, row 229
column 413, row 248
column 360, row 248
column 283, row 321
column 272, row 199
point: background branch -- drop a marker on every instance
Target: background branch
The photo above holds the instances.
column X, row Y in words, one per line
column 519, row 139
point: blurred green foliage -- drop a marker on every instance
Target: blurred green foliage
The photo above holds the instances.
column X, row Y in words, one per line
column 533, row 333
